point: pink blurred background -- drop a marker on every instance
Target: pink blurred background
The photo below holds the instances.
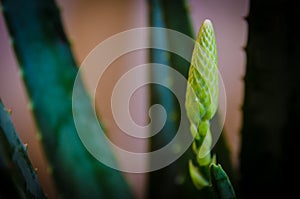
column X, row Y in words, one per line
column 87, row 23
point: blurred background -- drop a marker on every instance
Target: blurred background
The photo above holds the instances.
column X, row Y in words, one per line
column 89, row 22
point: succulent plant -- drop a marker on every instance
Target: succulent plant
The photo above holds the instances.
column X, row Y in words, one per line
column 201, row 106
column 48, row 69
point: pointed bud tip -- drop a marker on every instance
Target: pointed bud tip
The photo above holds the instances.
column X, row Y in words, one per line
column 206, row 25
column 207, row 22
column 206, row 28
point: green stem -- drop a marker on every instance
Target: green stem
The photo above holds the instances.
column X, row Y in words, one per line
column 201, row 106
column 19, row 179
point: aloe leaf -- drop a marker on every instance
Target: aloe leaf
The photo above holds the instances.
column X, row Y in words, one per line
column 181, row 23
column 18, row 177
column 172, row 181
column 221, row 183
column 270, row 129
column 49, row 70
